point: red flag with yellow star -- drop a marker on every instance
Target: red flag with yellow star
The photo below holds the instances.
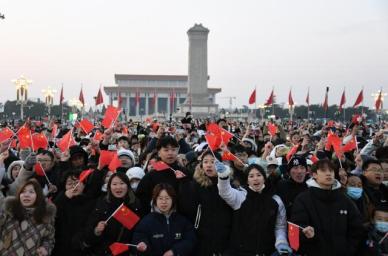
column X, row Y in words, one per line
column 293, row 236
column 126, row 217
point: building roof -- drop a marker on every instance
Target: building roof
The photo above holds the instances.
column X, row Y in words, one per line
column 151, row 77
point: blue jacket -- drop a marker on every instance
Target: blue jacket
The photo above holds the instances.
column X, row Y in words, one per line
column 161, row 234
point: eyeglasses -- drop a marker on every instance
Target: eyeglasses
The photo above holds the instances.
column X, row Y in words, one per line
column 378, row 170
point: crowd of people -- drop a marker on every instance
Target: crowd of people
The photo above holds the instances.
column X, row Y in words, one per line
column 196, row 187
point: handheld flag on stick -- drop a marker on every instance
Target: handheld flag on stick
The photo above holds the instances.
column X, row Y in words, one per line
column 293, row 235
column 6, row 134
column 39, row 140
column 40, row 171
column 66, row 142
column 114, row 163
column 111, row 115
column 119, row 248
column 125, row 216
column 86, row 125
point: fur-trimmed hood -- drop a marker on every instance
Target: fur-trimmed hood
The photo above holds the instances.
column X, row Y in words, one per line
column 9, row 207
column 9, row 170
column 202, row 179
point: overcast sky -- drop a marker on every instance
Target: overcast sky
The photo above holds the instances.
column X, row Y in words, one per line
column 271, row 43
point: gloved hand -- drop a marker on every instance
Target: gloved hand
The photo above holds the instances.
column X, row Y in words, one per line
column 220, row 167
column 30, row 161
column 223, row 170
column 283, row 248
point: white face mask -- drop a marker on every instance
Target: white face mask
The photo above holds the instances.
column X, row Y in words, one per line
column 104, row 187
column 134, row 185
column 385, row 182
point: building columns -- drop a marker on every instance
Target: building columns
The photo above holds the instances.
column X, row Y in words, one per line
column 146, row 104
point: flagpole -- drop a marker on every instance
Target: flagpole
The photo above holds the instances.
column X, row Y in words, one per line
column 255, row 104
column 362, row 102
column 118, row 208
column 344, row 108
column 308, row 104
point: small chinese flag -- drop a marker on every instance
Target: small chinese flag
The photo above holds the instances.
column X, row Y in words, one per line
column 66, row 142
column 160, row 166
column 225, row 136
column 98, row 135
column 292, row 152
column 39, row 169
column 213, row 141
column 86, row 125
column 84, row 174
column 111, row 114
column 314, row 158
column 118, row 248
column 6, row 134
column 352, row 144
column 126, row 217
column 25, row 138
column 105, row 158
column 228, row 156
column 293, row 236
column 115, row 163
column 272, row 129
column 39, row 140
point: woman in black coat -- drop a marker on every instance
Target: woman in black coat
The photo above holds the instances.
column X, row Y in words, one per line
column 211, row 215
column 100, row 234
column 73, row 210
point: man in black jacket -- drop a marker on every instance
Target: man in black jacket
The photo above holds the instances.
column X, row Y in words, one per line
column 289, row 189
column 331, row 223
column 372, row 182
column 167, row 147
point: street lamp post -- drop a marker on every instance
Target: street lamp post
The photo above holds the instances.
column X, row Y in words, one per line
column 21, row 84
column 49, row 98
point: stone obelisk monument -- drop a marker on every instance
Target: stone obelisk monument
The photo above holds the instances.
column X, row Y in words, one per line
column 198, row 101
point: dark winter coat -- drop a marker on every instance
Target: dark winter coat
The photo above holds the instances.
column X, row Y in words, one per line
column 113, row 232
column 162, row 233
column 334, row 217
column 288, row 190
column 259, row 220
column 152, row 178
column 72, row 216
column 211, row 215
column 375, row 196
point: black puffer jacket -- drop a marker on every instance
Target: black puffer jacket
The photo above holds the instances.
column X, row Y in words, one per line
column 211, row 215
column 334, row 217
column 113, row 232
column 72, row 216
column 152, row 178
column 288, row 190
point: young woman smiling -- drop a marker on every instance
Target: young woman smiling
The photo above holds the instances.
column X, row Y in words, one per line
column 27, row 222
column 259, row 221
